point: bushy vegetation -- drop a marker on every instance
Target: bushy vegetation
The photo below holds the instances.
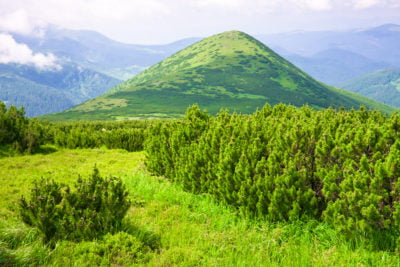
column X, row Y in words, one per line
column 285, row 164
column 18, row 132
column 95, row 206
column 166, row 226
column 128, row 135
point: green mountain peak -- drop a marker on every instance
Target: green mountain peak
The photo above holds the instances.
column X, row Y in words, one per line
column 228, row 70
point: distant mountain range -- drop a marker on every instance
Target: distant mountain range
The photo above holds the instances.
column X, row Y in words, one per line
column 335, row 66
column 229, row 70
column 94, row 63
column 337, row 56
column 94, row 51
column 378, row 44
column 46, row 91
column 91, row 64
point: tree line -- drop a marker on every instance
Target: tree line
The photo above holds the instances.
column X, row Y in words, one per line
column 23, row 135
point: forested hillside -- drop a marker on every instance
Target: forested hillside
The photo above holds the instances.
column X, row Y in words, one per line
column 46, row 91
column 382, row 85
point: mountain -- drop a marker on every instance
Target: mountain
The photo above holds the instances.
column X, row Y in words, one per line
column 95, row 51
column 41, row 91
column 336, row 56
column 91, row 65
column 229, row 70
column 378, row 43
column 335, row 66
column 382, row 85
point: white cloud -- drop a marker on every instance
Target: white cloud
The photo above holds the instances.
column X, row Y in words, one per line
column 362, row 4
column 317, row 5
column 220, row 3
column 19, row 21
column 13, row 52
column 256, row 5
column 155, row 21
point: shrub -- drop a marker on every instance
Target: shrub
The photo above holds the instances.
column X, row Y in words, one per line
column 95, row 206
column 285, row 163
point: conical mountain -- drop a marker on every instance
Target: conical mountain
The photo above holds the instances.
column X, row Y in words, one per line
column 228, row 70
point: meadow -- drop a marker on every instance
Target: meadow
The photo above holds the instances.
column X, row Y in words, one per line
column 165, row 226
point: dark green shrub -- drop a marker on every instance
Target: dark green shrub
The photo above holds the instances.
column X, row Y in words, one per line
column 94, row 207
column 286, row 163
column 128, row 135
column 17, row 131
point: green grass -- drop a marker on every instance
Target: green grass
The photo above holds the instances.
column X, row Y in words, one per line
column 166, row 226
column 18, row 173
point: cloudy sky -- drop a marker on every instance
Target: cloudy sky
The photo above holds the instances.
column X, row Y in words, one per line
column 163, row 21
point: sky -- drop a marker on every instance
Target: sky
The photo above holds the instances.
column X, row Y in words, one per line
column 164, row 21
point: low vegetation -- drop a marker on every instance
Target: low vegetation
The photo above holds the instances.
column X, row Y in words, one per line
column 95, row 207
column 288, row 164
column 18, row 134
column 165, row 225
column 283, row 186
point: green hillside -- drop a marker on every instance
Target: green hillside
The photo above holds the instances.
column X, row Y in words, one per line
column 381, row 85
column 229, row 70
column 47, row 91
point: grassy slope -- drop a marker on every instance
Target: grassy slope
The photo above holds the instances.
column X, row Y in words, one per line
column 381, row 85
column 193, row 230
column 231, row 70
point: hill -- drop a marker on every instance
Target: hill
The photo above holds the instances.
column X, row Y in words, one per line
column 228, row 70
column 46, row 91
column 381, row 85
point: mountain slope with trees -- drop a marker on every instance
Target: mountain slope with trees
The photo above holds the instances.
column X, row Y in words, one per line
column 381, row 85
column 46, row 91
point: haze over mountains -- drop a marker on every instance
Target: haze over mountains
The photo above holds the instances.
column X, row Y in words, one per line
column 89, row 65
column 92, row 63
column 334, row 57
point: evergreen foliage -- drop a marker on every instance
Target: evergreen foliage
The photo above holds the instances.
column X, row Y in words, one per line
column 128, row 135
column 285, row 163
column 94, row 207
column 17, row 131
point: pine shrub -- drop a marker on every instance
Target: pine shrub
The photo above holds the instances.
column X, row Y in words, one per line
column 283, row 163
column 94, row 207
